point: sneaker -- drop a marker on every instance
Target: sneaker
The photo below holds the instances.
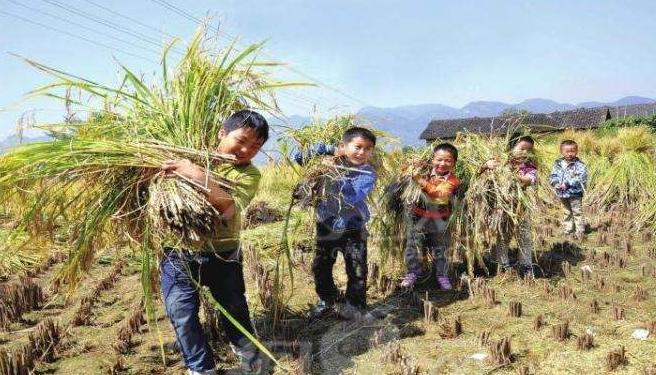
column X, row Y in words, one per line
column 504, row 268
column 347, row 311
column 444, row 283
column 409, row 280
column 253, row 367
column 350, row 312
column 527, row 272
column 322, row 308
column 250, row 361
column 206, row 372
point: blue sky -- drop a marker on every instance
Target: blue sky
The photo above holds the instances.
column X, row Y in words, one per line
column 382, row 53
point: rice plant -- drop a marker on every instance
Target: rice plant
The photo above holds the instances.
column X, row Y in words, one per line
column 623, row 176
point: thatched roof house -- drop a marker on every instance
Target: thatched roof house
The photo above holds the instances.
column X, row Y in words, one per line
column 581, row 118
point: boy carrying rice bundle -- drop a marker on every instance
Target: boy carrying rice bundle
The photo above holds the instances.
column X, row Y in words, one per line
column 428, row 216
column 217, row 263
column 146, row 171
column 341, row 217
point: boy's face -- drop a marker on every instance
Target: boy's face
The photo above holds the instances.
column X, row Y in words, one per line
column 569, row 152
column 443, row 161
column 243, row 143
column 357, row 151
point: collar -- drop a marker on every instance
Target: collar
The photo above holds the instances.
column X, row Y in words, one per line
column 440, row 176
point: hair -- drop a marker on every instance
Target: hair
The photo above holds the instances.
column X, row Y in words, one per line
column 248, row 119
column 357, row 131
column 516, row 138
column 448, row 147
column 569, row 142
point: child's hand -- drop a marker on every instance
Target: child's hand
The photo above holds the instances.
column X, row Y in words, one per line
column 328, row 161
column 416, row 168
column 491, row 164
column 183, row 168
column 561, row 187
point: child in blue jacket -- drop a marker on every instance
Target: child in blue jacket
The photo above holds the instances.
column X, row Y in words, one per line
column 568, row 178
column 341, row 218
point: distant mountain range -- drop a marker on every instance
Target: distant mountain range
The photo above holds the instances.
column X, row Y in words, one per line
column 407, row 122
column 13, row 140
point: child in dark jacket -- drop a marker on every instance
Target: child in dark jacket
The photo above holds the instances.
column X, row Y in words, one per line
column 428, row 219
column 568, row 178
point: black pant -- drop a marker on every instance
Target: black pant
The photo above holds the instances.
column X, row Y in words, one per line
column 353, row 245
column 222, row 273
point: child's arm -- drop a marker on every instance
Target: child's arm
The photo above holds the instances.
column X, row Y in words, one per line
column 528, row 177
column 556, row 177
column 216, row 195
column 583, row 174
column 427, row 187
column 317, row 149
column 356, row 189
column 488, row 165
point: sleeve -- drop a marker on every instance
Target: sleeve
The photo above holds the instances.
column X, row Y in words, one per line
column 531, row 172
column 245, row 189
column 316, row 149
column 583, row 174
column 355, row 190
column 554, row 177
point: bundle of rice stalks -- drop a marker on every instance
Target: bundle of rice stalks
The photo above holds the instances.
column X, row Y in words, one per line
column 181, row 207
column 623, row 176
column 111, row 159
column 396, row 191
column 495, row 200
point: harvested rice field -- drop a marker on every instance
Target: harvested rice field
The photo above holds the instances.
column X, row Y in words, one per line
column 86, row 217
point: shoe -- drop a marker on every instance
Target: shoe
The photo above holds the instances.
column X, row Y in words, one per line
column 250, row 361
column 350, row 312
column 527, row 272
column 253, row 367
column 206, row 372
column 504, row 268
column 409, row 280
column 322, row 308
column 444, row 283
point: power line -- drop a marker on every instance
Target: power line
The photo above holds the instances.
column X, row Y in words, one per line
column 105, row 23
column 194, row 19
column 178, row 10
column 129, row 18
column 94, row 42
column 301, row 100
column 84, row 27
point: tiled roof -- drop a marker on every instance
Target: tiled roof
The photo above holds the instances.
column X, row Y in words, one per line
column 637, row 110
column 582, row 118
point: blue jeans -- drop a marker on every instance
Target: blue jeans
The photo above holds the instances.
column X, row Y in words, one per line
column 222, row 273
